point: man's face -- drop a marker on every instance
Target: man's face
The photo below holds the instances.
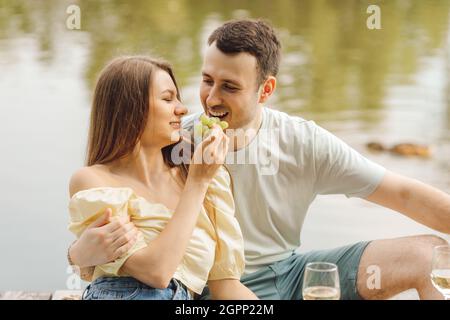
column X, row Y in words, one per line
column 229, row 87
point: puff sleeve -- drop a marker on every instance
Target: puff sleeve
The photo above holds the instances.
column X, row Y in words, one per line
column 229, row 260
column 87, row 205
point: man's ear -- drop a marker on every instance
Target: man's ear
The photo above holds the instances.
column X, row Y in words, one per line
column 268, row 88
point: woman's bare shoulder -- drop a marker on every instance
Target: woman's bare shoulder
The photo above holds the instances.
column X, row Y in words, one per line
column 89, row 177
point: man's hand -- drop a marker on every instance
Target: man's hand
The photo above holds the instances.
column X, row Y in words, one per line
column 103, row 241
column 418, row 201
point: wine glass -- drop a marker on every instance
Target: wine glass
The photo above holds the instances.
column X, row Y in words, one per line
column 440, row 270
column 321, row 282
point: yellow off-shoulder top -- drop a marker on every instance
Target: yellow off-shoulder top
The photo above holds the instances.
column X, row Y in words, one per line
column 215, row 250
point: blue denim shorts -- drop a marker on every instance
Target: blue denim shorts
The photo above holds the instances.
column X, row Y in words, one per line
column 128, row 288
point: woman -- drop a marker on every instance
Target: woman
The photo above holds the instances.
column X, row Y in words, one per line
column 186, row 234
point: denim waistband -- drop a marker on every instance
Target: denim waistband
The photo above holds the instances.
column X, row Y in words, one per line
column 111, row 283
column 123, row 282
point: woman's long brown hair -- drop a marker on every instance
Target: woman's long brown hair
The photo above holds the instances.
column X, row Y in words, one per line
column 120, row 109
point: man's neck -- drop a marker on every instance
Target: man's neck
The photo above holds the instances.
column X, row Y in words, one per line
column 245, row 135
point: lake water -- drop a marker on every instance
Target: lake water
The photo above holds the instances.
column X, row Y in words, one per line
column 391, row 85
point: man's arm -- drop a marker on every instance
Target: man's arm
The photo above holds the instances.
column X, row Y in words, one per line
column 416, row 200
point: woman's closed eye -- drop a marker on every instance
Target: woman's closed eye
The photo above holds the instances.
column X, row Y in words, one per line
column 168, row 98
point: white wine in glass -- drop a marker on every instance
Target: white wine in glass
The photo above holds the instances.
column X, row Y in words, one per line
column 321, row 282
column 440, row 270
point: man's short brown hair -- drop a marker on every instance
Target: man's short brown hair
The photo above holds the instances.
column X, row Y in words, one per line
column 256, row 37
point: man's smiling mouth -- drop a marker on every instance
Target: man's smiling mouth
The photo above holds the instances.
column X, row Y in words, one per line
column 218, row 114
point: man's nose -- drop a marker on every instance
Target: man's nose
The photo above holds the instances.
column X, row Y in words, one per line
column 214, row 98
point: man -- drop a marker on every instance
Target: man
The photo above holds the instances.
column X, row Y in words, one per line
column 238, row 77
column 239, row 70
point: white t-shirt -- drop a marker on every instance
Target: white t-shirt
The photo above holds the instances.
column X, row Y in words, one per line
column 295, row 161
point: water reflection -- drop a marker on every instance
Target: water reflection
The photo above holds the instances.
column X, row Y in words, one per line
column 332, row 62
column 391, row 85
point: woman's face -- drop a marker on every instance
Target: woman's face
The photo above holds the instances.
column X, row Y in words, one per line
column 165, row 112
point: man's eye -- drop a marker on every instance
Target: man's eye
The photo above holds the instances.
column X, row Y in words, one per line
column 229, row 88
column 208, row 82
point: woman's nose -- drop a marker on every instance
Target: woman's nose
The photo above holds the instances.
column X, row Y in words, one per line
column 181, row 110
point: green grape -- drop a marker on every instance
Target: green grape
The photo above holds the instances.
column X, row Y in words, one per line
column 223, row 124
column 207, row 123
column 214, row 120
column 204, row 119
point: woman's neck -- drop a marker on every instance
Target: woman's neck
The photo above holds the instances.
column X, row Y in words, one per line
column 146, row 165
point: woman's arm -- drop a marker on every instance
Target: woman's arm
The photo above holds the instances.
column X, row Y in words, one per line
column 230, row 289
column 156, row 264
column 153, row 265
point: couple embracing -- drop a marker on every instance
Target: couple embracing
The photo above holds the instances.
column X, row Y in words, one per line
column 149, row 227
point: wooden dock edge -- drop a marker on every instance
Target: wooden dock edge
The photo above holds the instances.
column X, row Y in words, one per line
column 26, row 295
